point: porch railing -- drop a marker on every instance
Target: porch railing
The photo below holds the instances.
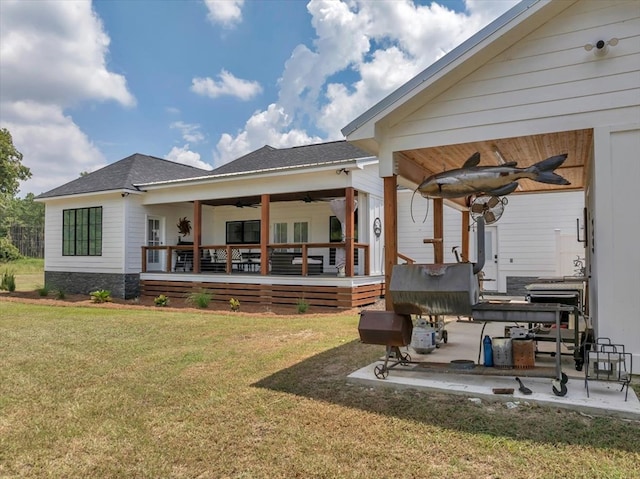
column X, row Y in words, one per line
column 246, row 258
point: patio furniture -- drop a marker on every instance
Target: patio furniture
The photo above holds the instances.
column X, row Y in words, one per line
column 283, row 262
column 609, row 362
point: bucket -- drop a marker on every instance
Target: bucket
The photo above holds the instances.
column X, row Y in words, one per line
column 524, row 353
column 502, row 353
column 423, row 338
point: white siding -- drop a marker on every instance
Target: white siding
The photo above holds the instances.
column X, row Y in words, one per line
column 526, row 232
column 546, row 76
column 112, row 258
column 614, row 240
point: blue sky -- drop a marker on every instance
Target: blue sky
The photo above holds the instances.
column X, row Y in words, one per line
column 202, row 82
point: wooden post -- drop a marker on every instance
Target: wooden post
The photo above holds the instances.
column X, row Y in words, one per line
column 349, row 231
column 264, row 234
column 390, row 234
column 438, row 230
column 197, row 234
column 465, row 236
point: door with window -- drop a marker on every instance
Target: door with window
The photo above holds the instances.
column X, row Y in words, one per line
column 490, row 268
column 155, row 237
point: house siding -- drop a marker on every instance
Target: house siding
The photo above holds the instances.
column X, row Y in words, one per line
column 547, row 76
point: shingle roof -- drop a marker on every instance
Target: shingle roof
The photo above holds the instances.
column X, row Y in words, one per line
column 125, row 174
column 267, row 157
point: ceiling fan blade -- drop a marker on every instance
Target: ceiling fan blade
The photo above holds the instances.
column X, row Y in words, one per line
column 489, row 217
column 493, row 201
column 477, row 208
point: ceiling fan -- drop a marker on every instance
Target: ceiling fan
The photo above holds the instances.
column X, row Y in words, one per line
column 242, row 204
column 489, row 207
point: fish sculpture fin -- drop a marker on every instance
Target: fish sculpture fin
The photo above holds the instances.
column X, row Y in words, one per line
column 504, row 190
column 544, row 170
column 510, row 164
column 473, row 160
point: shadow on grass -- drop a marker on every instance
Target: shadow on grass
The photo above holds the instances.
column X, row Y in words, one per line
column 323, row 377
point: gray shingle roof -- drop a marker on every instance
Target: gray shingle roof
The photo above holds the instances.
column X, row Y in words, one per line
column 125, row 174
column 268, row 157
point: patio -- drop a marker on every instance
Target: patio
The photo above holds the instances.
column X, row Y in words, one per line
column 433, row 372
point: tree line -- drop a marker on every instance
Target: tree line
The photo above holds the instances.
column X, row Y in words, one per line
column 21, row 219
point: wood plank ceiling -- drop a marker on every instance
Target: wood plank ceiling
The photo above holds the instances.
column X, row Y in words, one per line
column 416, row 165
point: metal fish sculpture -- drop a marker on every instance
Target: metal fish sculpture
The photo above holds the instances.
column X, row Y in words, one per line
column 472, row 179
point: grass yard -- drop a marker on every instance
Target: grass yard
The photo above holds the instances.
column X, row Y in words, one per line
column 120, row 393
column 29, row 273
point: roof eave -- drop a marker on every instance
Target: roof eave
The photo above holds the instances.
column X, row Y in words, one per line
column 278, row 170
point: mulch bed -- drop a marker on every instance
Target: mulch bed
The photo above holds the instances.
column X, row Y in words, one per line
column 33, row 297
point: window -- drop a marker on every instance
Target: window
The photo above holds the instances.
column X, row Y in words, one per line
column 280, row 232
column 243, row 232
column 300, row 233
column 82, row 232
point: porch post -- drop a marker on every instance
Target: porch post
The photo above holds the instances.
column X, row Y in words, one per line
column 390, row 234
column 197, row 234
column 349, row 231
column 438, row 230
column 264, row 234
column 465, row 236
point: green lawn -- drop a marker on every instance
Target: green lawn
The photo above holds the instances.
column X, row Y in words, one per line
column 87, row 392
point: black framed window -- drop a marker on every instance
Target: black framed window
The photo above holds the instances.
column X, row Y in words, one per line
column 82, row 232
column 243, row 232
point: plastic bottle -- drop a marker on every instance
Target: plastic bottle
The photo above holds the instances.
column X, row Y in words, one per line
column 488, row 351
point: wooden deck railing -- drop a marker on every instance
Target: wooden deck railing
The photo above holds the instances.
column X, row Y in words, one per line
column 250, row 250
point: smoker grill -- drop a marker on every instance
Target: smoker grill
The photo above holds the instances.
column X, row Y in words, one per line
column 453, row 289
column 388, row 329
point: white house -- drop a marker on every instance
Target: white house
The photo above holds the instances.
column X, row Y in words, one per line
column 548, row 77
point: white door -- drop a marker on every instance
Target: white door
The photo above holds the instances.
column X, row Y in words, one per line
column 490, row 269
column 155, row 237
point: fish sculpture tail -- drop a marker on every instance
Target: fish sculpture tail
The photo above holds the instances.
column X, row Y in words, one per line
column 543, row 170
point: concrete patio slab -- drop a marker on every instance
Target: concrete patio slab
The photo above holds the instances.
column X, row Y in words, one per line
column 432, row 372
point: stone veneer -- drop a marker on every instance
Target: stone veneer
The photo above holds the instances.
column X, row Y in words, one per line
column 124, row 286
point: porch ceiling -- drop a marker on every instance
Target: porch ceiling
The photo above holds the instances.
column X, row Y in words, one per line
column 255, row 200
column 417, row 164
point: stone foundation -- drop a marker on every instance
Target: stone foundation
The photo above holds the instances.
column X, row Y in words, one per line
column 125, row 286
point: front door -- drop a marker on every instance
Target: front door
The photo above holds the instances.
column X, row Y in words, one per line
column 155, row 258
column 490, row 270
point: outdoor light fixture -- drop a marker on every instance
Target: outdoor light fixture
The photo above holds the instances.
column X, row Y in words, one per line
column 601, row 48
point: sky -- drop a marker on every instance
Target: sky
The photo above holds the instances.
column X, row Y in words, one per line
column 202, row 82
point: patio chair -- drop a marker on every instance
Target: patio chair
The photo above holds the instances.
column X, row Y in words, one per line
column 606, row 361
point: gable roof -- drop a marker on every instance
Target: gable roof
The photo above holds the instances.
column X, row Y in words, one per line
column 125, row 175
column 444, row 65
column 269, row 158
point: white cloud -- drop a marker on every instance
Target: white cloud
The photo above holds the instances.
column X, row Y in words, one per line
column 227, row 13
column 379, row 45
column 54, row 147
column 53, row 56
column 190, row 132
column 270, row 127
column 227, row 85
column 187, row 157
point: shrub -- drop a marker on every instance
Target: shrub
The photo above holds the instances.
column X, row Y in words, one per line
column 161, row 300
column 302, row 306
column 235, row 304
column 200, row 299
column 8, row 282
column 8, row 252
column 60, row 294
column 101, row 296
column 43, row 291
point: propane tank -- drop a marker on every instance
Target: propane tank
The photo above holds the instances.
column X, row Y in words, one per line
column 488, row 351
column 423, row 337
